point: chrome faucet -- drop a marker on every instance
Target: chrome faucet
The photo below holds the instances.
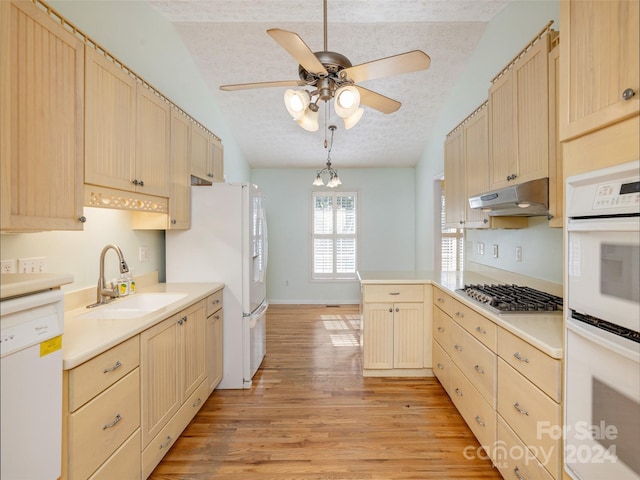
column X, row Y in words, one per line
column 104, row 294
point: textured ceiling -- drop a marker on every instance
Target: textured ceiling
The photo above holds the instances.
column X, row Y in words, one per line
column 229, row 43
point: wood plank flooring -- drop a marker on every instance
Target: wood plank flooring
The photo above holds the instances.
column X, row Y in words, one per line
column 311, row 415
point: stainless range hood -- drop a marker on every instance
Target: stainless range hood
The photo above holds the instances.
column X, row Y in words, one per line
column 529, row 199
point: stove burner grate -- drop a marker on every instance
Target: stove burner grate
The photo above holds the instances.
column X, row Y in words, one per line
column 505, row 298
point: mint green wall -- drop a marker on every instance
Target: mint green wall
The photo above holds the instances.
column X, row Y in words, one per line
column 386, row 237
column 504, row 37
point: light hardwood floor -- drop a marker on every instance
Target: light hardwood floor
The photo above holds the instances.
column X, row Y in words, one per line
column 311, row 415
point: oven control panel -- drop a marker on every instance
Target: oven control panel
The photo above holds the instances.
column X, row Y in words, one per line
column 617, row 194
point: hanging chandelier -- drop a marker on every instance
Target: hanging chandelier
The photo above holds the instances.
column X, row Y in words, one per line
column 329, row 171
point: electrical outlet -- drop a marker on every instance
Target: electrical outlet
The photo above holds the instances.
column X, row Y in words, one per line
column 518, row 254
column 143, row 254
column 495, row 250
column 480, row 247
column 9, row 266
column 32, row 265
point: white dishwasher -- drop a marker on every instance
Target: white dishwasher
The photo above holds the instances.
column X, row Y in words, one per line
column 31, row 382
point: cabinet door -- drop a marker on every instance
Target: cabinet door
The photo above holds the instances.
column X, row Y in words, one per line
column 556, row 180
column 160, row 376
column 454, row 180
column 110, row 125
column 217, row 160
column 41, row 121
column 180, row 190
column 152, row 143
column 214, row 349
column 408, row 335
column 600, row 52
column 531, row 84
column 476, row 148
column 200, row 153
column 377, row 336
column 192, row 349
column 502, row 139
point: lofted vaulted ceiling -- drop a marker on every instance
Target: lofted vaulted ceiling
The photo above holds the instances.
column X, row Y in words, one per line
column 229, row 44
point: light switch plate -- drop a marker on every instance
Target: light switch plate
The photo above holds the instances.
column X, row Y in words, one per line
column 495, row 250
column 518, row 254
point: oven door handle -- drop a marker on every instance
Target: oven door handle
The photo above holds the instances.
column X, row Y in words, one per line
column 599, row 224
column 603, row 338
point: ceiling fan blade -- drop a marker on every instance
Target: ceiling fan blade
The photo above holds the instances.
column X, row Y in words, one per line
column 299, row 50
column 247, row 86
column 385, row 67
column 377, row 101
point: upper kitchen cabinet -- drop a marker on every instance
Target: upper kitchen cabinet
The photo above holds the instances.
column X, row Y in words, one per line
column 476, row 154
column 207, row 156
column 126, row 129
column 41, row 121
column 180, row 191
column 454, row 178
column 556, row 181
column 599, row 79
column 519, row 116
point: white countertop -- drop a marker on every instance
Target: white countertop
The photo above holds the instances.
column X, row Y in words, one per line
column 85, row 338
column 14, row 284
column 543, row 331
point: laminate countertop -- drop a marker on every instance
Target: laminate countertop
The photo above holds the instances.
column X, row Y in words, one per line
column 543, row 331
column 16, row 284
column 85, row 338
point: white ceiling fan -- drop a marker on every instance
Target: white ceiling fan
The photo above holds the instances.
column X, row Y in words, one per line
column 331, row 75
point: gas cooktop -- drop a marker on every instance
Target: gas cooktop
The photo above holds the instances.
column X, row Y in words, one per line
column 508, row 299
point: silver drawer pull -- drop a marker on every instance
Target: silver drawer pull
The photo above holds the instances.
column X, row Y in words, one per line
column 521, row 358
column 441, row 300
column 394, row 293
column 217, row 317
column 198, row 402
column 457, row 347
column 479, row 369
column 115, row 367
column 166, row 442
column 440, row 366
column 115, row 420
column 440, row 329
column 519, row 409
column 458, row 392
column 480, row 422
column 517, row 473
column 460, row 314
column 480, row 330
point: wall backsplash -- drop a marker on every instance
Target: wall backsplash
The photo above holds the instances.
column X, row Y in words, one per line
column 541, row 249
column 78, row 253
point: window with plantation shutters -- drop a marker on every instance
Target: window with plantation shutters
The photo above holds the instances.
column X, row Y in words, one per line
column 334, row 236
column 451, row 243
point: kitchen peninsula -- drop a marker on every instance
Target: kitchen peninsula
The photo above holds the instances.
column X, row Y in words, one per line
column 501, row 370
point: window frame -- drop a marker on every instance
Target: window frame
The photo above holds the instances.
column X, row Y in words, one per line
column 333, row 276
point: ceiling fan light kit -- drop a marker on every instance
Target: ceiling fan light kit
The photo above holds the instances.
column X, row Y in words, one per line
column 332, row 75
column 334, row 179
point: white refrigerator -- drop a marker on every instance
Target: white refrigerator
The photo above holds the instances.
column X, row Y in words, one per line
column 227, row 243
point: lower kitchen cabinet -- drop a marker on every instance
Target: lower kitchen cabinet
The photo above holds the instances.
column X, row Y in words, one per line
column 215, row 316
column 396, row 330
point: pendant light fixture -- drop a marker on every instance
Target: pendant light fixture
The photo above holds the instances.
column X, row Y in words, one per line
column 329, row 171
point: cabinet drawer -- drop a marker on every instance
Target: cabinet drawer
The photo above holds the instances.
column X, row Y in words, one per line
column 545, row 372
column 531, row 414
column 479, row 415
column 393, row 293
column 92, row 377
column 477, row 325
column 513, row 459
column 443, row 301
column 124, row 464
column 161, row 443
column 214, row 302
column 97, row 429
column 476, row 361
column 442, row 329
column 442, row 367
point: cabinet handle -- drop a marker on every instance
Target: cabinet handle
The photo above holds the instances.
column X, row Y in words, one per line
column 521, row 358
column 115, row 367
column 519, row 409
column 485, row 220
column 440, row 366
column 115, row 420
column 390, row 310
column 173, row 221
column 441, row 330
column 135, row 181
column 628, row 93
column 459, row 314
column 217, row 317
column 458, row 392
column 394, row 293
column 82, row 219
column 479, row 369
column 397, row 309
column 457, row 347
column 166, row 442
column 182, row 320
column 480, row 422
column 516, row 471
column 480, row 330
column 198, row 402
column 441, row 300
